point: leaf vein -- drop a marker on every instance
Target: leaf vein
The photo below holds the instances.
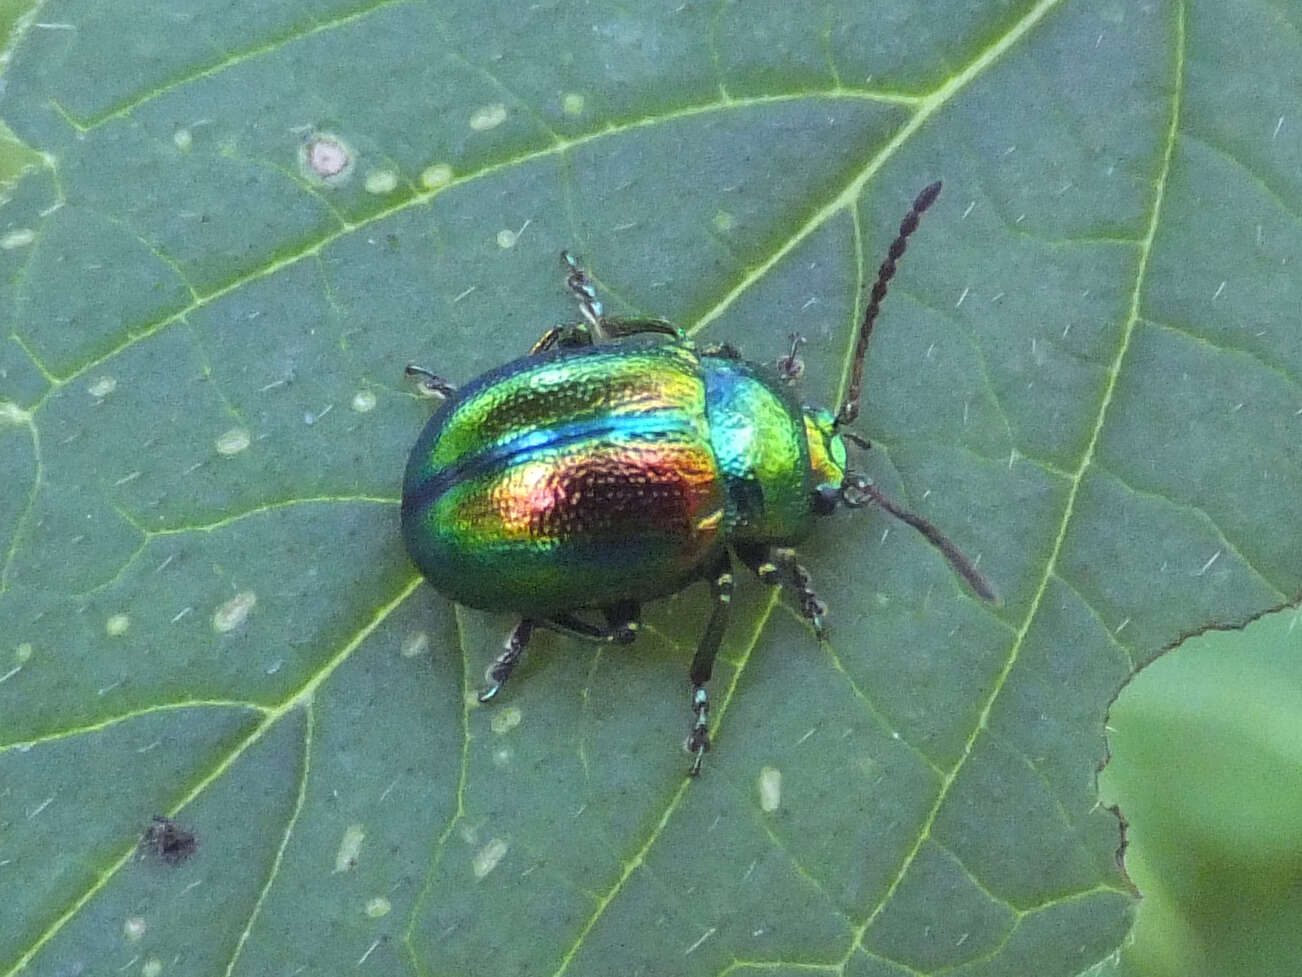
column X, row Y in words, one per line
column 1085, row 462
column 284, row 840
column 269, row 46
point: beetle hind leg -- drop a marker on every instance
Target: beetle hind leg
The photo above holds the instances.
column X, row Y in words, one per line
column 505, row 663
column 698, row 740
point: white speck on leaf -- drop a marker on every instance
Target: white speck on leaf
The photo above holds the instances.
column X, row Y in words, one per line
column 488, row 857
column 488, row 117
column 233, row 441
column 505, row 720
column 19, row 238
column 770, row 789
column 416, row 643
column 1208, row 565
column 350, row 847
column 234, row 612
column 381, row 181
column 704, row 936
column 102, row 387
column 433, row 177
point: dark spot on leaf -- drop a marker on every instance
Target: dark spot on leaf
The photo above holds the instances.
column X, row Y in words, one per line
column 167, row 840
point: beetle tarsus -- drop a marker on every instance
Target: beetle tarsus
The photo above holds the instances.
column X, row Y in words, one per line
column 812, row 607
column 698, row 741
column 505, row 663
column 429, row 384
column 576, row 280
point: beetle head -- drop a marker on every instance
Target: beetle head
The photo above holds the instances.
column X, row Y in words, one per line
column 826, row 458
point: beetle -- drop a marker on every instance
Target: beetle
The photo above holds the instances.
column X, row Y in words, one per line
column 618, row 462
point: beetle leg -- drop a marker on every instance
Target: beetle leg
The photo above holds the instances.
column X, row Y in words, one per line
column 622, row 623
column 757, row 559
column 568, row 335
column 698, row 740
column 812, row 607
column 770, row 564
column 504, row 665
column 791, row 367
column 722, row 351
column 618, row 328
column 431, row 384
column 576, row 280
column 575, row 627
column 624, row 620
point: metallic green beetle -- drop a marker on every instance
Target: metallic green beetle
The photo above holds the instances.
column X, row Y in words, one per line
column 598, row 475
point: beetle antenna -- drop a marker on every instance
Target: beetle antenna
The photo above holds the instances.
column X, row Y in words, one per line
column 860, row 490
column 850, row 409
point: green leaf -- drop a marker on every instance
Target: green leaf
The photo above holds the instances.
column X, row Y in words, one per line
column 249, row 218
column 1207, row 751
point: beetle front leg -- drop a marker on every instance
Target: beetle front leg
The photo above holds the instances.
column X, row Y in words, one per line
column 791, row 367
column 698, row 741
column 770, row 564
column 573, row 335
column 504, row 665
column 576, row 280
column 617, row 328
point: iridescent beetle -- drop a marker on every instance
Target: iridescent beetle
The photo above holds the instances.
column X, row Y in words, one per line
column 594, row 474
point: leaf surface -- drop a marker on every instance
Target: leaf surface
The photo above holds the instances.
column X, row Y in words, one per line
column 250, row 217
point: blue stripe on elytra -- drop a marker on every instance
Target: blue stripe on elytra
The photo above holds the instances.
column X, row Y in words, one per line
column 651, row 424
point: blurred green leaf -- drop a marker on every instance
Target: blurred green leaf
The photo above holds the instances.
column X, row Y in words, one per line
column 1207, row 764
column 250, row 217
